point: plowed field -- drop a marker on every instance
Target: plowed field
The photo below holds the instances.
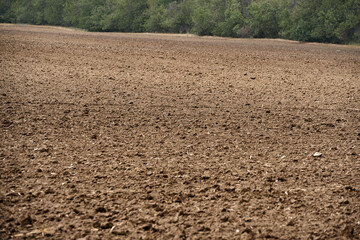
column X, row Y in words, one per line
column 149, row 136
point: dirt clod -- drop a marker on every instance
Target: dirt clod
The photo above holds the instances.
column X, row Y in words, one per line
column 28, row 220
column 106, row 225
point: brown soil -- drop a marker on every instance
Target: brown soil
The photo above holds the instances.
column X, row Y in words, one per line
column 148, row 136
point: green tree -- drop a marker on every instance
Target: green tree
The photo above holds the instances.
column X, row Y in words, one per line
column 130, row 15
column 263, row 20
column 6, row 13
column 77, row 13
column 233, row 20
column 348, row 29
column 202, row 18
column 102, row 17
column 53, row 12
column 156, row 16
column 335, row 21
column 321, row 21
column 326, row 20
column 178, row 16
column 301, row 20
column 28, row 11
column 285, row 9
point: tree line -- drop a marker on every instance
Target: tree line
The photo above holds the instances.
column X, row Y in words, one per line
column 331, row 21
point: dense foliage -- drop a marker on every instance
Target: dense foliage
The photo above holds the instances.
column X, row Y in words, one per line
column 334, row 21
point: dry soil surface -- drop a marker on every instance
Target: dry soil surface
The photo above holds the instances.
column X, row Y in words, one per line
column 148, row 136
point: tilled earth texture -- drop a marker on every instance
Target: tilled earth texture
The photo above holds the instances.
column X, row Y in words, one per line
column 149, row 136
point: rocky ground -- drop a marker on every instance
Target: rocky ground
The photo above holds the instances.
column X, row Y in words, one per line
column 149, row 136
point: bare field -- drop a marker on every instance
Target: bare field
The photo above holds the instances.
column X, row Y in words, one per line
column 150, row 136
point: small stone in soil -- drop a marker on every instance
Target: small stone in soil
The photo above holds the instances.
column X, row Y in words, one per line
column 317, row 154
